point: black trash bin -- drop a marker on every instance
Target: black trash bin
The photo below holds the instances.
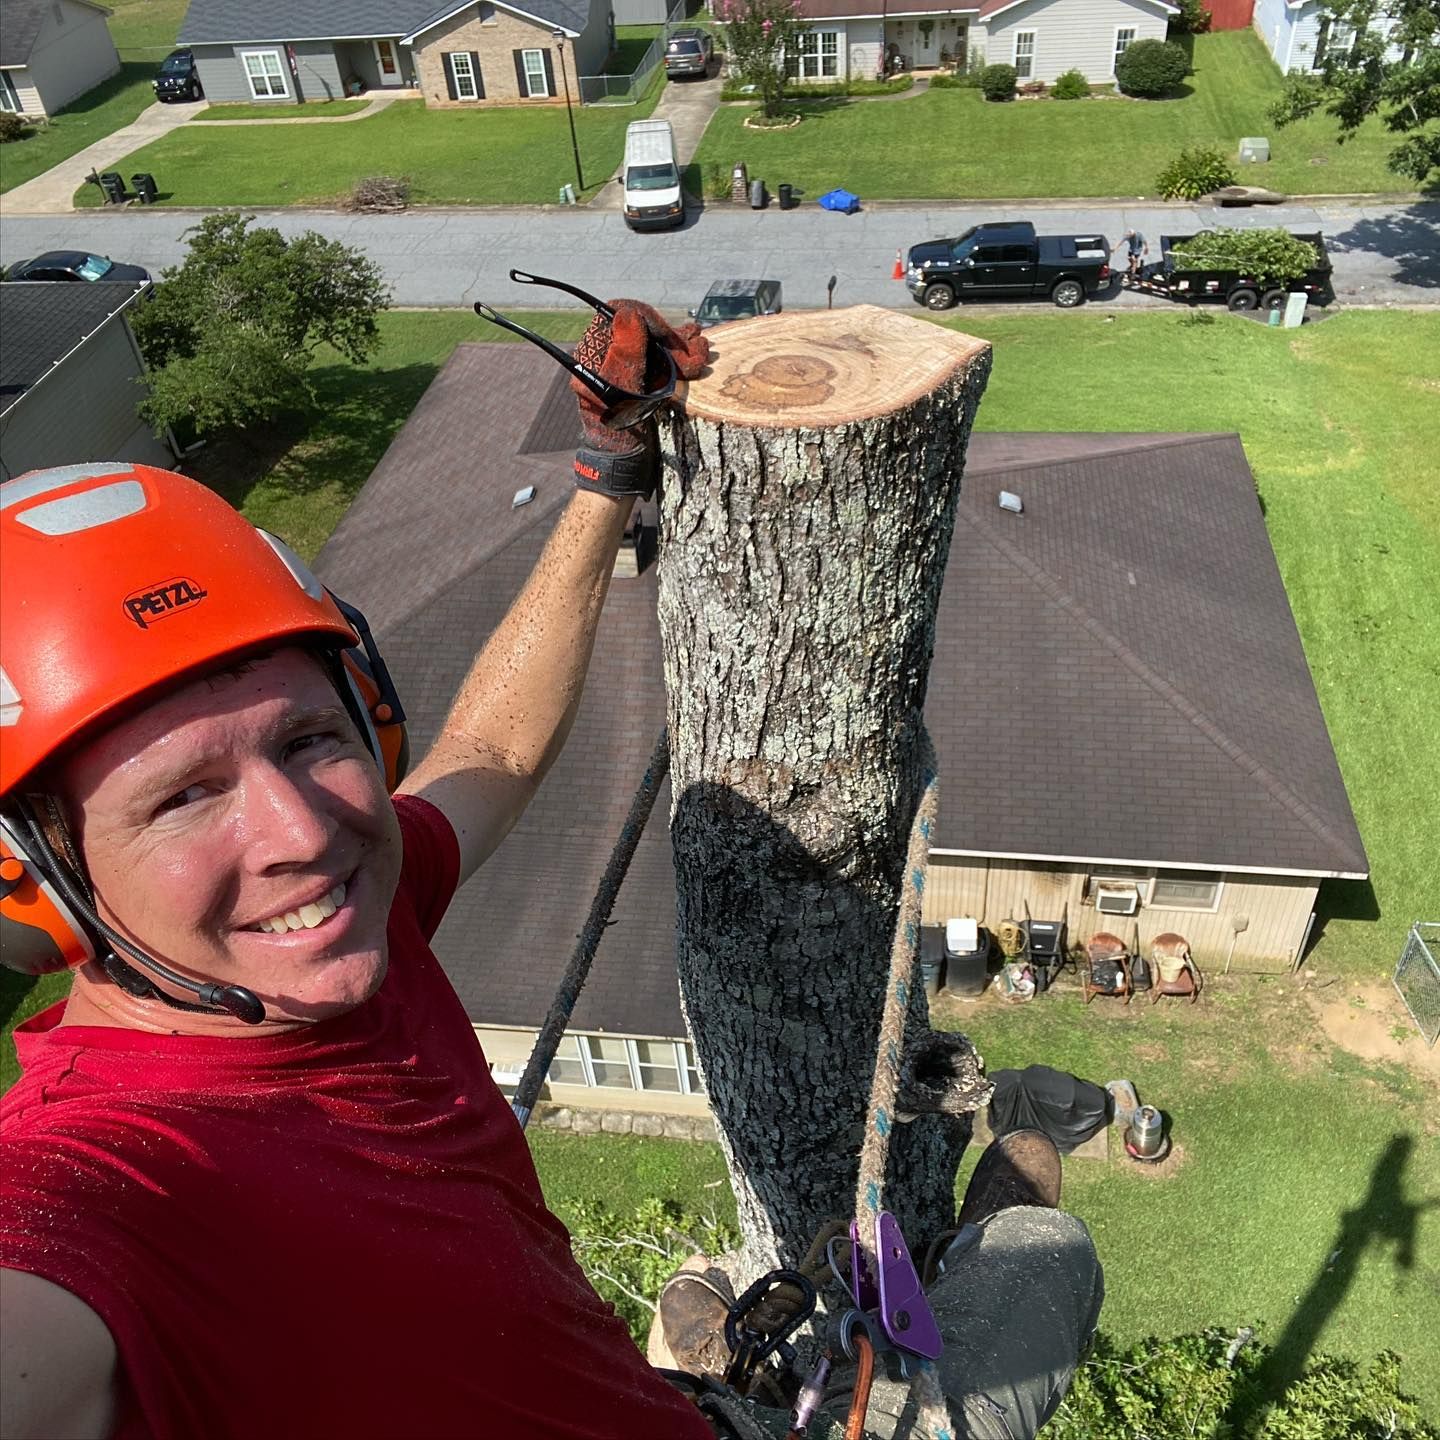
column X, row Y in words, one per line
column 758, row 198
column 967, row 954
column 786, row 195
column 112, row 182
column 144, row 186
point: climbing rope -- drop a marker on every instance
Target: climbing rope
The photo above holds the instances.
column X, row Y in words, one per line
column 561, row 1008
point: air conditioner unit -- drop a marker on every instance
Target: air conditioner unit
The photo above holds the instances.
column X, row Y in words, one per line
column 1117, row 899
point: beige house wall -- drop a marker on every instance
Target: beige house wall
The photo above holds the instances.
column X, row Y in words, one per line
column 73, row 53
column 495, row 41
column 508, row 1048
column 1277, row 908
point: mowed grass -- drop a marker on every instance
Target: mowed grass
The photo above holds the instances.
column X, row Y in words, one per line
column 1288, row 1150
column 144, row 33
column 310, row 110
column 952, row 144
column 451, row 157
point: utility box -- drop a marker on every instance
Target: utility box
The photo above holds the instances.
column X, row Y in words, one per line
column 1254, row 149
column 1295, row 309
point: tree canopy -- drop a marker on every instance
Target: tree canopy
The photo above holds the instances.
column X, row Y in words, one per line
column 230, row 334
column 760, row 34
column 1377, row 57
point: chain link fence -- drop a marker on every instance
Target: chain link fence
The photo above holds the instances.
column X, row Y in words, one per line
column 1417, row 978
column 632, row 88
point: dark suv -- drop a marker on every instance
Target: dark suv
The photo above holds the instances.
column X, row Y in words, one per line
column 738, row 300
column 178, row 78
column 688, row 51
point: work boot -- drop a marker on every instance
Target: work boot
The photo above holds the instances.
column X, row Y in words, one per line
column 690, row 1320
column 1021, row 1168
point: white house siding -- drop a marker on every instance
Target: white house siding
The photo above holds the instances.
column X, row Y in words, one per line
column 83, row 412
column 1277, row 908
column 861, row 46
column 73, row 53
column 1274, row 22
column 1070, row 34
column 25, row 92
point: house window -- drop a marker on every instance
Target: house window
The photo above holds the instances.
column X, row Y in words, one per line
column 464, row 73
column 535, row 73
column 568, row 1067
column 1185, row 890
column 265, row 72
column 609, row 1061
column 1123, row 38
column 616, row 1063
column 1120, row 875
column 9, row 96
column 1024, row 54
column 658, row 1065
column 817, row 56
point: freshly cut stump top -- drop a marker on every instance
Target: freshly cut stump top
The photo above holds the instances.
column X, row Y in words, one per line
column 822, row 368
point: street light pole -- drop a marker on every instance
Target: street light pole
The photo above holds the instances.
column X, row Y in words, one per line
column 559, row 38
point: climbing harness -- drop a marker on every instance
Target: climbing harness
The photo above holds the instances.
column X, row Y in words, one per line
column 890, row 1313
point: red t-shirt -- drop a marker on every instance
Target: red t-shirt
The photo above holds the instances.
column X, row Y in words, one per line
column 336, row 1232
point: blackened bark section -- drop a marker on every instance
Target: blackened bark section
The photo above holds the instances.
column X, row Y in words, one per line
column 799, row 576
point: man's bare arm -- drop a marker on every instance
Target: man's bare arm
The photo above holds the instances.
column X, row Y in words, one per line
column 57, row 1363
column 517, row 704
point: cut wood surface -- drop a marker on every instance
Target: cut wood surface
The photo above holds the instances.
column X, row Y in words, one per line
column 824, row 367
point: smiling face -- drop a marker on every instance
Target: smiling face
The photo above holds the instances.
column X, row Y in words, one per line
column 239, row 830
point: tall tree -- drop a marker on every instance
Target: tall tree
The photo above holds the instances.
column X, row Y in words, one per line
column 1377, row 57
column 230, row 334
column 763, row 36
column 803, row 549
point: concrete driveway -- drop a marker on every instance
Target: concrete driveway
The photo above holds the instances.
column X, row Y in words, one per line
column 50, row 193
column 1384, row 255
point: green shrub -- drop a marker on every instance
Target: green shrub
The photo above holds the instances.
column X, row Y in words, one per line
column 1209, row 1387
column 1151, row 67
column 12, row 127
column 1072, row 85
column 1193, row 173
column 950, row 82
column 1193, row 19
column 997, row 82
column 738, row 90
column 1271, row 257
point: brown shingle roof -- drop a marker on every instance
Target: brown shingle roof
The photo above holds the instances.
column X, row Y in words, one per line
column 1117, row 675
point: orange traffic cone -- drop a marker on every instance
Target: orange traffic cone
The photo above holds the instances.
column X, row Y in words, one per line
column 898, row 273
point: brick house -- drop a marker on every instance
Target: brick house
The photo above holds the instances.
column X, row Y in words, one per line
column 473, row 54
column 1119, row 698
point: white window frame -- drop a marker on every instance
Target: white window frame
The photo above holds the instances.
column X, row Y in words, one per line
column 1029, row 73
column 9, row 95
column 531, row 78
column 282, row 76
column 468, row 77
column 683, row 1056
column 1120, row 875
column 1218, row 881
column 813, row 49
column 396, row 77
column 1117, row 50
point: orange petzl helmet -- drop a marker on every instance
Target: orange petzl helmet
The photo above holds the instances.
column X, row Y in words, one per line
column 118, row 581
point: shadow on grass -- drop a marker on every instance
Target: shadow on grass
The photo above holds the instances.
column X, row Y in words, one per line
column 337, row 443
column 130, row 72
column 1384, row 1217
column 13, row 990
column 1342, row 900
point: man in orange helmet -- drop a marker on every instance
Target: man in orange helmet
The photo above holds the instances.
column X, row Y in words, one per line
column 255, row 1178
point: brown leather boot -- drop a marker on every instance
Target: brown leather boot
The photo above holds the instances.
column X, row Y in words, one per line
column 691, row 1319
column 1021, row 1168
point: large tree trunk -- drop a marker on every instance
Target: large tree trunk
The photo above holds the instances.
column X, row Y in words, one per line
column 810, row 495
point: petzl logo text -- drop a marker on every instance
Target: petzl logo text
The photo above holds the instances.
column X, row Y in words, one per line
column 145, row 607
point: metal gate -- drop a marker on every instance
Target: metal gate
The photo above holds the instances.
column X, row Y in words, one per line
column 1417, row 978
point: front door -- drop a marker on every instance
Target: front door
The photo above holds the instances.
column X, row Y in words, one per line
column 388, row 63
column 927, row 45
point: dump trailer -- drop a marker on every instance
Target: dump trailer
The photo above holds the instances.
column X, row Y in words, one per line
column 1238, row 290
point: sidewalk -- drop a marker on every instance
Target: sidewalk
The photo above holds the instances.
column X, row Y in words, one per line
column 50, row 193
column 688, row 105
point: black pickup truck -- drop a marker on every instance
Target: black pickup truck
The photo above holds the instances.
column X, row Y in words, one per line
column 1008, row 262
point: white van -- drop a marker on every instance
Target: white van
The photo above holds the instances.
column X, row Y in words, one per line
column 653, row 200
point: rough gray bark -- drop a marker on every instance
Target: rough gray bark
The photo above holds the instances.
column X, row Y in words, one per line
column 810, row 496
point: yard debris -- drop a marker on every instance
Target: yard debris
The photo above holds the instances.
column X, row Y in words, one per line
column 379, row 194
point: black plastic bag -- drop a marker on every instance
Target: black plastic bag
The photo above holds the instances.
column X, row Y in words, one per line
column 1067, row 1109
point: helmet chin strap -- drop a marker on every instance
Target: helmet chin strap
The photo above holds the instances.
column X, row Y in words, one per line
column 210, row 998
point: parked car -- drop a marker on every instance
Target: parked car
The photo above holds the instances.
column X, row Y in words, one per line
column 651, row 178
column 177, row 78
column 688, row 51
column 75, row 265
column 1008, row 261
column 738, row 300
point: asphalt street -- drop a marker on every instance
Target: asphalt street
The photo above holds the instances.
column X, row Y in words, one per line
column 1383, row 254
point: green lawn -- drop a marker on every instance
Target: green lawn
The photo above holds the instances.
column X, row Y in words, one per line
column 310, row 110
column 631, row 44
column 951, row 144
column 452, row 157
column 144, row 33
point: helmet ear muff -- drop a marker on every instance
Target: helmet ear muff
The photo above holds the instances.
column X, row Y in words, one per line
column 376, row 702
column 40, row 932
